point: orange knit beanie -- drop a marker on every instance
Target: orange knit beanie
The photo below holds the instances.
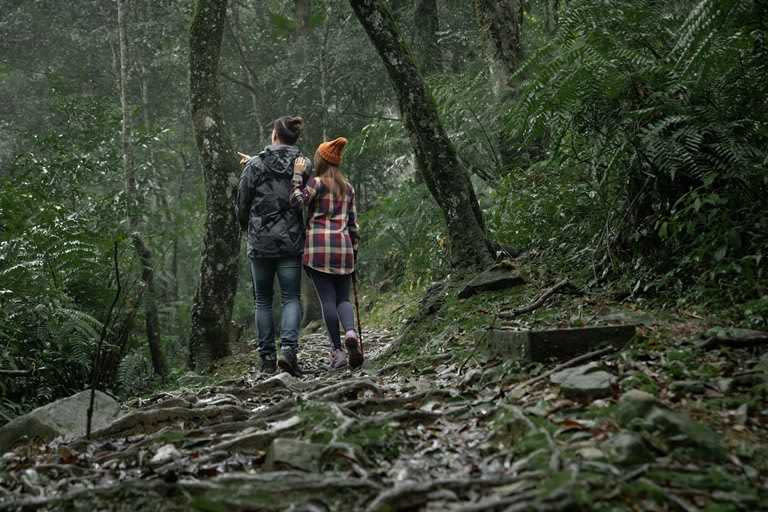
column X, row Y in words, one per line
column 331, row 150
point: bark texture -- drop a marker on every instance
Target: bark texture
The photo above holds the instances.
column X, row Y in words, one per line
column 427, row 25
column 503, row 19
column 446, row 178
column 134, row 206
column 212, row 307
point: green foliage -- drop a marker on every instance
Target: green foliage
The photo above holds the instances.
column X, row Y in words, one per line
column 404, row 240
column 652, row 119
column 55, row 258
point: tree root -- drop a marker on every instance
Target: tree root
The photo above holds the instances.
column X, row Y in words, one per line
column 411, row 495
column 367, row 404
column 147, row 421
column 258, row 440
column 335, row 391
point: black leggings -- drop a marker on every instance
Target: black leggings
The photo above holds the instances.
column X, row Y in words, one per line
column 333, row 292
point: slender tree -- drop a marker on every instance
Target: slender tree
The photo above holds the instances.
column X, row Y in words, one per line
column 214, row 298
column 503, row 20
column 443, row 173
column 427, row 24
column 134, row 206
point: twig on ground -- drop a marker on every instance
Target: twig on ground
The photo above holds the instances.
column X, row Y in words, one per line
column 506, row 315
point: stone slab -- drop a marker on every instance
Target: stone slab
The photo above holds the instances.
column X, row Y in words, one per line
column 559, row 345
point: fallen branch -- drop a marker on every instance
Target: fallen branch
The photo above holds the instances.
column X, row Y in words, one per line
column 18, row 373
column 506, row 315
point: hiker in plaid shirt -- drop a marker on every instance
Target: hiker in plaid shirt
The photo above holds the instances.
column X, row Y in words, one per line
column 330, row 249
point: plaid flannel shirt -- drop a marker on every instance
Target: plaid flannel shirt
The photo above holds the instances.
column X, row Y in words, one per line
column 332, row 229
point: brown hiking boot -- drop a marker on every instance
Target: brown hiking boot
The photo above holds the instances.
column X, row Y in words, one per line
column 338, row 359
column 354, row 350
column 288, row 362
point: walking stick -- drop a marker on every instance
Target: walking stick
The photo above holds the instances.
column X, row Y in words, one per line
column 357, row 310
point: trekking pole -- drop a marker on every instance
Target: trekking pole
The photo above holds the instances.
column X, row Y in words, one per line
column 357, row 310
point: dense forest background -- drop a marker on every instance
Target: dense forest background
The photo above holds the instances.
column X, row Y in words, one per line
column 622, row 142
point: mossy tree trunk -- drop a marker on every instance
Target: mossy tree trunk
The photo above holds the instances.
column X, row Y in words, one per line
column 134, row 206
column 446, row 178
column 214, row 298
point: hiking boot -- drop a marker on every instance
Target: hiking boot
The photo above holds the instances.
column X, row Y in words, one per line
column 354, row 350
column 338, row 359
column 268, row 364
column 288, row 362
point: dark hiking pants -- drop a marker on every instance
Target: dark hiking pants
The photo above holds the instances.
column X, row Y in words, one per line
column 333, row 292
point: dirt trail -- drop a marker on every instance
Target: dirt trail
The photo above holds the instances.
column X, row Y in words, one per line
column 436, row 435
column 366, row 441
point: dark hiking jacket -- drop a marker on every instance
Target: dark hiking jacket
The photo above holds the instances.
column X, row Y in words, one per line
column 275, row 228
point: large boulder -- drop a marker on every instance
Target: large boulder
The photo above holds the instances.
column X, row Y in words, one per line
column 65, row 418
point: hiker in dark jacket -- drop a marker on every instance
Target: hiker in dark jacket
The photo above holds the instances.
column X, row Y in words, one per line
column 330, row 250
column 275, row 230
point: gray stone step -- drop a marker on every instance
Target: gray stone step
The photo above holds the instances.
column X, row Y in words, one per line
column 555, row 344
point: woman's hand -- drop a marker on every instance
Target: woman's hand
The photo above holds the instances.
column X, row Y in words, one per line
column 243, row 158
column 300, row 165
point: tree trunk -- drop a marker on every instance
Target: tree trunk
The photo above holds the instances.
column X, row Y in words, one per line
column 504, row 23
column 150, row 305
column 134, row 207
column 443, row 173
column 427, row 23
column 303, row 13
column 214, row 298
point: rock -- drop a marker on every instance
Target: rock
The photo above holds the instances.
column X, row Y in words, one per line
column 165, row 453
column 634, row 404
column 741, row 414
column 561, row 376
column 555, row 344
column 688, row 386
column 65, row 418
column 295, row 454
column 679, row 430
column 639, row 410
column 627, row 448
column 734, row 337
column 590, row 453
column 724, row 385
column 498, row 277
column 588, row 386
column 625, row 316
